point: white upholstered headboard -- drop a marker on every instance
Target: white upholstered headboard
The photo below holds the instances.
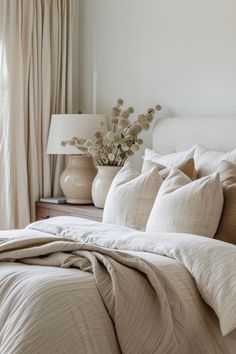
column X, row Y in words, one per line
column 179, row 133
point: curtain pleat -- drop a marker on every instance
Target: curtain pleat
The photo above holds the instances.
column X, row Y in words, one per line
column 36, row 42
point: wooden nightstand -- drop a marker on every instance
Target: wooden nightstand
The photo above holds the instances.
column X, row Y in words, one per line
column 48, row 210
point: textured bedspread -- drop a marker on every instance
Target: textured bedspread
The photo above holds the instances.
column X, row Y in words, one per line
column 110, row 301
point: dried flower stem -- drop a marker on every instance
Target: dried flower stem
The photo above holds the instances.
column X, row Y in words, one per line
column 113, row 147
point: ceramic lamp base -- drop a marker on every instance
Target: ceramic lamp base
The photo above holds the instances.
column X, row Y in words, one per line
column 76, row 180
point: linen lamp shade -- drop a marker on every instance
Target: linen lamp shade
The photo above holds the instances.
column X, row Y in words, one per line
column 63, row 127
column 76, row 180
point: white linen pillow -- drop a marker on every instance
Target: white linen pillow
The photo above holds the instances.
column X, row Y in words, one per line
column 208, row 161
column 131, row 197
column 168, row 160
column 187, row 206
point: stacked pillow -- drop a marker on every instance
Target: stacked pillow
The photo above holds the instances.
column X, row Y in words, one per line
column 168, row 160
column 183, row 205
column 131, row 197
column 187, row 167
column 166, row 199
column 208, row 161
column 227, row 227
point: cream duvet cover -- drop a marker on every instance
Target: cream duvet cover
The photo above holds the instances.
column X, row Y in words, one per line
column 69, row 285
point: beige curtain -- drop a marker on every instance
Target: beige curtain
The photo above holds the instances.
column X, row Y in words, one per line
column 35, row 81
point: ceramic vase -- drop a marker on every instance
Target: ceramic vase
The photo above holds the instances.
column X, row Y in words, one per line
column 101, row 184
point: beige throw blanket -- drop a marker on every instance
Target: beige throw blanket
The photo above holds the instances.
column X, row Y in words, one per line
column 137, row 297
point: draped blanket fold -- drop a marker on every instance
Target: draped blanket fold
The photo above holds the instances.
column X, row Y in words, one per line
column 146, row 313
column 131, row 289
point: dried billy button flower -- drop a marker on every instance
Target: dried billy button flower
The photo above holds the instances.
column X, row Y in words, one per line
column 112, row 147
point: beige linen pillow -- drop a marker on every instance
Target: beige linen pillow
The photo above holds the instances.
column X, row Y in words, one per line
column 227, row 227
column 187, row 206
column 208, row 161
column 168, row 160
column 187, row 167
column 131, row 197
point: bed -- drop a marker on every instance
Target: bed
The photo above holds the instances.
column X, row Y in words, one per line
column 70, row 285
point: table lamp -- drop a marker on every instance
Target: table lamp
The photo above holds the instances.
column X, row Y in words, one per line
column 76, row 180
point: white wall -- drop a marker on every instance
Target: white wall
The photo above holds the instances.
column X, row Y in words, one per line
column 180, row 54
